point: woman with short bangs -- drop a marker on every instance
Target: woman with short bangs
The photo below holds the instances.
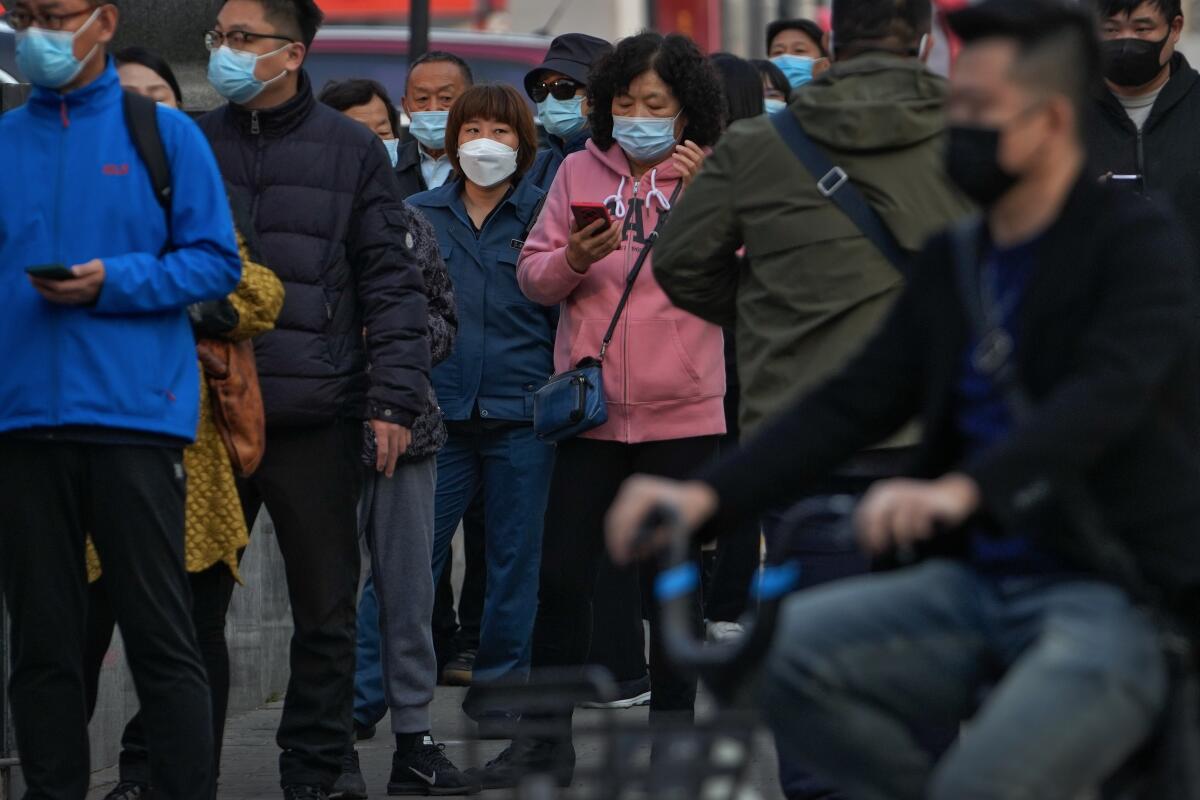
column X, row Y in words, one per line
column 504, row 353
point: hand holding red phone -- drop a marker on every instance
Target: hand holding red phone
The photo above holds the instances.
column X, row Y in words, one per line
column 594, row 234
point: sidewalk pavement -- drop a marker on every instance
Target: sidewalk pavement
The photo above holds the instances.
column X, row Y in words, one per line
column 250, row 759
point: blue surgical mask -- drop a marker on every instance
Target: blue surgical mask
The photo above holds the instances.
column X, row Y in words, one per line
column 231, row 73
column 562, row 118
column 646, row 140
column 393, row 148
column 774, row 104
column 429, row 128
column 48, row 57
column 797, row 69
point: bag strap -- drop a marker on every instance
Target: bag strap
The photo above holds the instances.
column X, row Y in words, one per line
column 995, row 358
column 141, row 118
column 637, row 269
column 836, row 186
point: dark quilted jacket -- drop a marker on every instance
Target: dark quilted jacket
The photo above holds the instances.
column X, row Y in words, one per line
column 326, row 208
column 429, row 431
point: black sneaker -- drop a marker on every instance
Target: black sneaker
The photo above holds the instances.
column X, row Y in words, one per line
column 425, row 770
column 129, row 790
column 363, row 732
column 296, row 791
column 528, row 757
column 350, row 784
column 460, row 669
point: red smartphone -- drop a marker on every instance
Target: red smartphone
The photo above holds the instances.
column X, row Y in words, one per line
column 587, row 213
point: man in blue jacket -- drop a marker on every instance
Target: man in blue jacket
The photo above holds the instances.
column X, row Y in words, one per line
column 99, row 395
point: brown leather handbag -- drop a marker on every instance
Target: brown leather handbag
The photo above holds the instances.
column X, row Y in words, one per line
column 237, row 404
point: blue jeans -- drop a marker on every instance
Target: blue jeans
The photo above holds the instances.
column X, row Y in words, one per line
column 514, row 468
column 1075, row 673
column 370, row 702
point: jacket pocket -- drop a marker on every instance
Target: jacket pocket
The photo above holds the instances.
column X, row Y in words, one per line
column 659, row 367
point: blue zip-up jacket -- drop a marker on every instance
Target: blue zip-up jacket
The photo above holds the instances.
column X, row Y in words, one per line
column 75, row 189
column 505, row 346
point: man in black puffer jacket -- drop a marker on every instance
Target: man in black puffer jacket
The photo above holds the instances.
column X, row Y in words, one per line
column 326, row 210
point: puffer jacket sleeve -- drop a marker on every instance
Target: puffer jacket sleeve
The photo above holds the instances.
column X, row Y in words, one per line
column 439, row 292
column 391, row 294
column 542, row 271
column 257, row 299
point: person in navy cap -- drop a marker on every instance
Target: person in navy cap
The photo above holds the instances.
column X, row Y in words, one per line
column 559, row 87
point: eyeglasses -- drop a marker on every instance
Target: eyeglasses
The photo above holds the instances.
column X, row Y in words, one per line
column 560, row 90
column 23, row 20
column 238, row 40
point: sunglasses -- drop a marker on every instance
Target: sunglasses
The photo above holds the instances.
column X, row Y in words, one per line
column 559, row 90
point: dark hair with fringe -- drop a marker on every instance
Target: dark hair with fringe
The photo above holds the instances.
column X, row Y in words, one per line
column 1110, row 8
column 680, row 64
column 773, row 75
column 806, row 26
column 343, row 95
column 501, row 103
column 153, row 62
column 741, row 84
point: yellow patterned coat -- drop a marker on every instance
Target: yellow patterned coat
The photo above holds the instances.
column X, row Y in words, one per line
column 215, row 525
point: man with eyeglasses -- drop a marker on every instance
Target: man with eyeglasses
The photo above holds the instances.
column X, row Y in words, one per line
column 559, row 87
column 99, row 395
column 326, row 209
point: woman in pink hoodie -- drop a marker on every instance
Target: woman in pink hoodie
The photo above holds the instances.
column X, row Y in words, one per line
column 656, row 104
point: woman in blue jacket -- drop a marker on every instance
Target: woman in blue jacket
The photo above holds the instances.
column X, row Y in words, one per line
column 504, row 352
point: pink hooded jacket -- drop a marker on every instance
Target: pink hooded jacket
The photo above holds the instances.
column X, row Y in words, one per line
column 664, row 373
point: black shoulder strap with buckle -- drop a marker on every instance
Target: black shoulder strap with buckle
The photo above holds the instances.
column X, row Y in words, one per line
column 141, row 118
column 836, row 185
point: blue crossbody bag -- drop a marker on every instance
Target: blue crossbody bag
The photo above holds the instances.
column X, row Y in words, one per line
column 572, row 402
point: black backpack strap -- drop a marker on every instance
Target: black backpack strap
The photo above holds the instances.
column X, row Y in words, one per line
column 141, row 118
column 834, row 183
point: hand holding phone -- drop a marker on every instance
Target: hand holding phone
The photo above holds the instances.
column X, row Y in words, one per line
column 595, row 234
column 587, row 213
column 51, row 272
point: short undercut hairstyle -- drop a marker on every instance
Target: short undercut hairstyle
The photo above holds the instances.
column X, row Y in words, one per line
column 300, row 19
column 499, row 103
column 1058, row 50
column 858, row 21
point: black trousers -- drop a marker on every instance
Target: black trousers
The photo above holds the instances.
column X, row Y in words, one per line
column 738, row 557
column 212, row 591
column 587, row 475
column 131, row 500
column 309, row 481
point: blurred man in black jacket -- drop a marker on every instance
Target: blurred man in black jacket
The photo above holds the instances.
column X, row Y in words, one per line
column 1013, row 595
column 1147, row 113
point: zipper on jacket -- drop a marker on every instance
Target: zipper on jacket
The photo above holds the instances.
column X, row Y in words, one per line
column 258, row 159
column 1141, row 162
column 625, row 317
column 63, row 149
column 254, row 129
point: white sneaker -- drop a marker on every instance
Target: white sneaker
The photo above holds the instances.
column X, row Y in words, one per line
column 718, row 632
column 642, row 699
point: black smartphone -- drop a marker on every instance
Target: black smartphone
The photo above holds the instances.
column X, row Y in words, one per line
column 51, row 272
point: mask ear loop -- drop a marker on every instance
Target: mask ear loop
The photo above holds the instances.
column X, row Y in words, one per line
column 615, row 201
column 268, row 55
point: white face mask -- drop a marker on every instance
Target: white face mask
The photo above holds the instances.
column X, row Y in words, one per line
column 487, row 162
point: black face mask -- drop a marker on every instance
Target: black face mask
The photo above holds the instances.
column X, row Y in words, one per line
column 1133, row 62
column 973, row 163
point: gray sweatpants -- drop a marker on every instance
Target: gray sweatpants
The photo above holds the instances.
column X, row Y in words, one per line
column 396, row 515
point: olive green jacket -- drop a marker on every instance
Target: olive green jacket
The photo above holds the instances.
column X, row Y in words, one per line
column 811, row 289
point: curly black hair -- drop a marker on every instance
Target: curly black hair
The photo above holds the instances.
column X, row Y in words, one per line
column 681, row 65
